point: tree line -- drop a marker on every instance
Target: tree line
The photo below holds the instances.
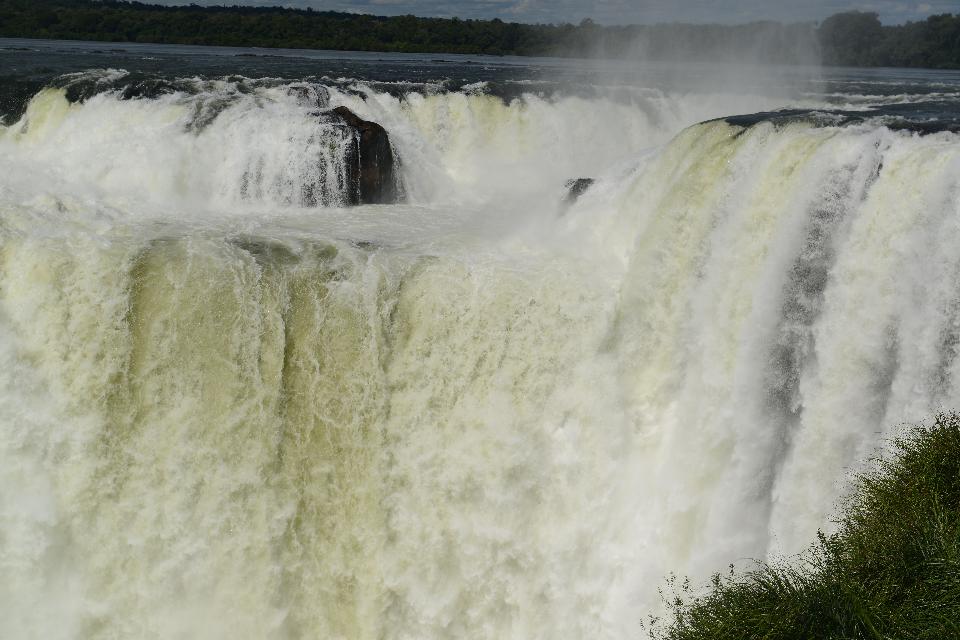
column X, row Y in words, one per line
column 851, row 38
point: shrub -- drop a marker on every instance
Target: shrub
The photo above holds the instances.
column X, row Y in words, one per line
column 892, row 570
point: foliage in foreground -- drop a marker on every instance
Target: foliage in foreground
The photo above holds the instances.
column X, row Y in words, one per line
column 892, row 571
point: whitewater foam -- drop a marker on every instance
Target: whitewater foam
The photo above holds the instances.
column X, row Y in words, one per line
column 225, row 415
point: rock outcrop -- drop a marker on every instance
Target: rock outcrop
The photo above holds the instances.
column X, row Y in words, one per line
column 576, row 188
column 310, row 95
column 371, row 172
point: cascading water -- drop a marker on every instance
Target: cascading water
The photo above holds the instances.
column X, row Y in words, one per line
column 227, row 415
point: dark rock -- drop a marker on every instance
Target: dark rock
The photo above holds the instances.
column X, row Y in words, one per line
column 309, row 95
column 576, row 188
column 148, row 89
column 371, row 171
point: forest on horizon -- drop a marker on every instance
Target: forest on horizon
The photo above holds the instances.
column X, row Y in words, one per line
column 846, row 39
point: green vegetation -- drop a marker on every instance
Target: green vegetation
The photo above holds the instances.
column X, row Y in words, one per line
column 276, row 27
column 858, row 39
column 844, row 39
column 891, row 571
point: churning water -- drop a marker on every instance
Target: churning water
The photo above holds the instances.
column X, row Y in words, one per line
column 480, row 412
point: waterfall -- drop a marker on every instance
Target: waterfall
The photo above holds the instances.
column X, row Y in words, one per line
column 227, row 414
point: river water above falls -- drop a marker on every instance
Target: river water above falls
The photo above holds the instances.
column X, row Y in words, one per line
column 228, row 410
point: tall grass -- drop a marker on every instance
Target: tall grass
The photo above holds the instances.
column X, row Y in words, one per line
column 892, row 570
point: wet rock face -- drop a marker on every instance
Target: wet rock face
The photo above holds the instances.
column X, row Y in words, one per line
column 576, row 188
column 309, row 95
column 371, row 171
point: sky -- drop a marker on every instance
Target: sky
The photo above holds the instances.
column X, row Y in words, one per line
column 618, row 11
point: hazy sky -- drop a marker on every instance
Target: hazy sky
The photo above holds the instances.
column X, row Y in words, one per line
column 619, row 11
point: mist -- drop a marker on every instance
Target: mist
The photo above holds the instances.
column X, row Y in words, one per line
column 753, row 43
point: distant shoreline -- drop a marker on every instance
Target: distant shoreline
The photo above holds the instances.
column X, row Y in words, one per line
column 849, row 39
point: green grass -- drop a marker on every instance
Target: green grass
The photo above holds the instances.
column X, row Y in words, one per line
column 891, row 571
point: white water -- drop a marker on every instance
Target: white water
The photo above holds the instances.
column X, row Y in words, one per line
column 223, row 417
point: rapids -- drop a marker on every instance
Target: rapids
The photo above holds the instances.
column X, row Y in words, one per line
column 223, row 415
